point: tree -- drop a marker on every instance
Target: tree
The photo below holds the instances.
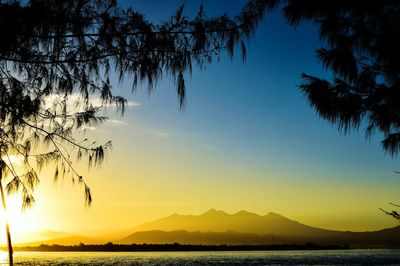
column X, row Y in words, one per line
column 362, row 50
column 394, row 214
column 362, row 40
column 56, row 58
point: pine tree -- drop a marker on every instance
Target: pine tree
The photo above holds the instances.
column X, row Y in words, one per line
column 362, row 50
column 52, row 51
column 56, row 58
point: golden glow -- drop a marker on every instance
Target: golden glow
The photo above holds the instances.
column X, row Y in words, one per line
column 15, row 160
column 148, row 177
column 3, row 257
column 22, row 223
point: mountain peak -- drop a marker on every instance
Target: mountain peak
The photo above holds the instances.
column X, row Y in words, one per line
column 245, row 213
column 219, row 221
column 213, row 212
column 273, row 214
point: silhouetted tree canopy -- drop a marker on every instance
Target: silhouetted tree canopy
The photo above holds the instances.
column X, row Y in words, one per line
column 394, row 214
column 362, row 49
column 56, row 58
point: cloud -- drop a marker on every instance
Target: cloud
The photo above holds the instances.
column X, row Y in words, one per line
column 96, row 101
column 75, row 101
column 115, row 122
column 133, row 104
column 163, row 134
column 109, row 122
column 91, row 128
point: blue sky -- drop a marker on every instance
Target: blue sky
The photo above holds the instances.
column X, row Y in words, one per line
column 246, row 140
column 257, row 105
column 253, row 118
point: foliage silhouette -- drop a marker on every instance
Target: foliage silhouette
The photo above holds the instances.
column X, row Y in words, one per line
column 362, row 50
column 394, row 214
column 55, row 52
column 56, row 58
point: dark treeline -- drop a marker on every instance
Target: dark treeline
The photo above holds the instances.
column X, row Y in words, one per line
column 178, row 247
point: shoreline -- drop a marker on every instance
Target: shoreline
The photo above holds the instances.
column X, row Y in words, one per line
column 110, row 247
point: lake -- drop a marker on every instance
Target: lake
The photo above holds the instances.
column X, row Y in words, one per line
column 317, row 257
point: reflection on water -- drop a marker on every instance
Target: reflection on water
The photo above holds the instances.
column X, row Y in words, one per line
column 319, row 257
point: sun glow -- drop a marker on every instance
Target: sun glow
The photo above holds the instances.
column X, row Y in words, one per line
column 3, row 257
column 15, row 160
column 21, row 222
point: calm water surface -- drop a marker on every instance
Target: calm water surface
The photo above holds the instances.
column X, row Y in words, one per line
column 329, row 257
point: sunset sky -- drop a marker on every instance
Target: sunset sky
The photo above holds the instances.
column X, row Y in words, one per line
column 247, row 139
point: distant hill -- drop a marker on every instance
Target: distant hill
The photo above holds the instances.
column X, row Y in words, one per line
column 199, row 238
column 218, row 227
column 383, row 238
column 241, row 222
column 68, row 241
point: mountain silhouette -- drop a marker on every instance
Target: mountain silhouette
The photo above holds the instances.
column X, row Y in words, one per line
column 219, row 227
column 200, row 238
column 241, row 222
column 215, row 227
column 388, row 238
column 68, row 241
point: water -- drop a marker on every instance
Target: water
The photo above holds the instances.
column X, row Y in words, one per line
column 320, row 257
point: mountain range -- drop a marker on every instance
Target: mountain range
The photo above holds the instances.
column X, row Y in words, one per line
column 219, row 227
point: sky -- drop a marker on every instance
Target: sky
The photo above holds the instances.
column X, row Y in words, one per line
column 246, row 140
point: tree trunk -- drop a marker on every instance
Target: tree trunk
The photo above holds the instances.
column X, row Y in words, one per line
column 3, row 200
